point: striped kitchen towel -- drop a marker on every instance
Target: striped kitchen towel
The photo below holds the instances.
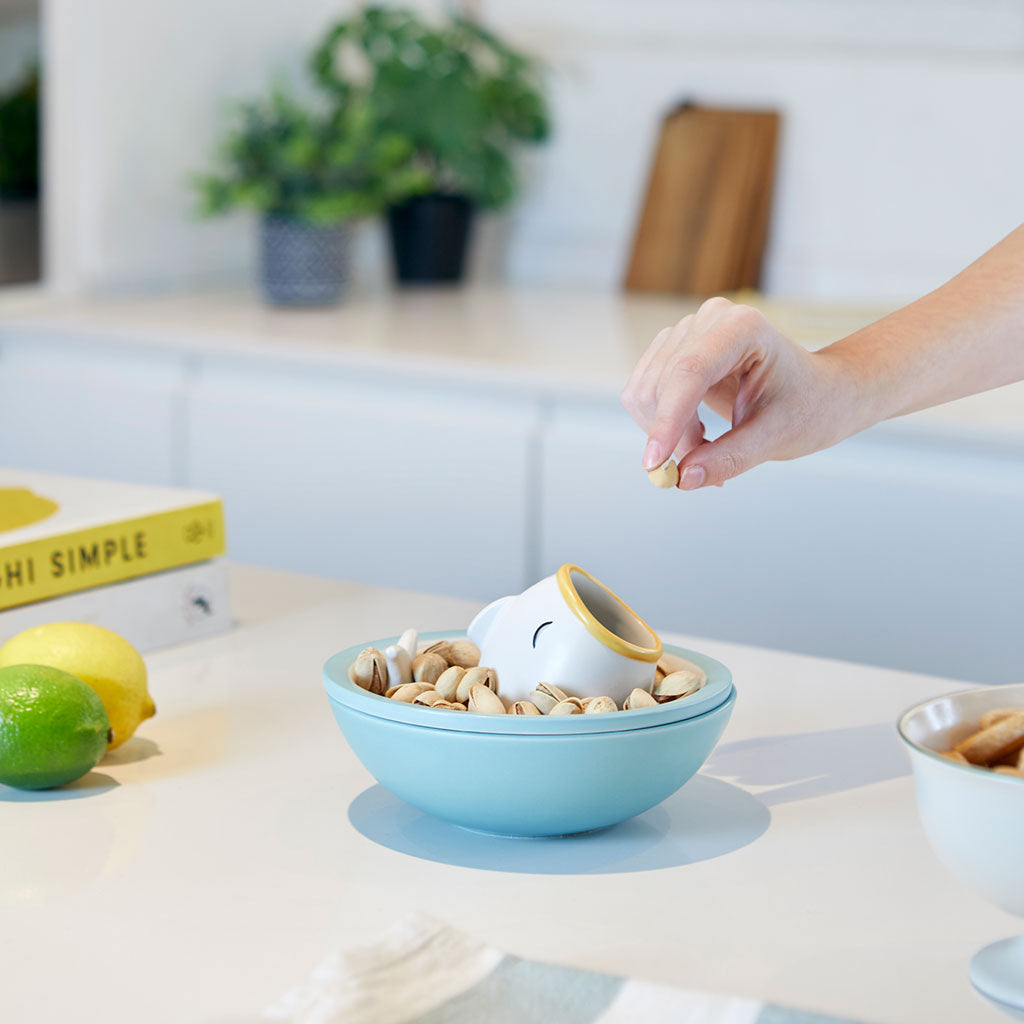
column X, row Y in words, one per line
column 424, row 972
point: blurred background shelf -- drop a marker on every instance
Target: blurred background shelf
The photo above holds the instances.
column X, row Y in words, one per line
column 469, row 442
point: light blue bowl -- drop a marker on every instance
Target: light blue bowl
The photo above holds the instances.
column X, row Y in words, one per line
column 520, row 775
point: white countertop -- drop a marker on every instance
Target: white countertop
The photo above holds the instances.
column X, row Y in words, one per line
column 208, row 865
column 536, row 341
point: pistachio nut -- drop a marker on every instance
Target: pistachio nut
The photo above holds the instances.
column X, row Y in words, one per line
column 390, row 691
column 524, row 707
column 478, row 676
column 427, row 667
column 666, row 475
column 463, row 653
column 483, row 699
column 546, row 696
column 449, row 705
column 428, row 697
column 569, row 706
column 442, row 648
column 638, row 699
column 677, row 684
column 448, row 682
column 599, row 705
column 399, row 665
column 669, row 663
column 370, row 671
column 408, row 692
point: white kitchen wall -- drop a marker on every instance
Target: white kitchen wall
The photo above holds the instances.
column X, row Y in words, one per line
column 900, row 157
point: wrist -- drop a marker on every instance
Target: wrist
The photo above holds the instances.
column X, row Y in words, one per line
column 860, row 385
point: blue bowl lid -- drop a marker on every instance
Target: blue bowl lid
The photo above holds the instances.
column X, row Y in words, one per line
column 341, row 690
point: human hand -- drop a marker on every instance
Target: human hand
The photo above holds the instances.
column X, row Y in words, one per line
column 781, row 400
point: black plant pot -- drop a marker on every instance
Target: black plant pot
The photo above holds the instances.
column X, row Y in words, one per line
column 429, row 236
column 302, row 264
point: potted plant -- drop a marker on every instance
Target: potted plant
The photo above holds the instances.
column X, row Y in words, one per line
column 309, row 171
column 19, row 181
column 461, row 98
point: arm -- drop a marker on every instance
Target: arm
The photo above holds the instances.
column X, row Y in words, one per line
column 784, row 402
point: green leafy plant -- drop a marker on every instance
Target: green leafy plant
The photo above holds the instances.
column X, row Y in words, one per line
column 460, row 97
column 19, row 139
column 316, row 165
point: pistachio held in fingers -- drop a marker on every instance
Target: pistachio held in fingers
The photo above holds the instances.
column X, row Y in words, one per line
column 665, row 475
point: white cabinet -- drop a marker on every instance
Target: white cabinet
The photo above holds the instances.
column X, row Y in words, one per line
column 408, row 484
column 68, row 406
column 881, row 550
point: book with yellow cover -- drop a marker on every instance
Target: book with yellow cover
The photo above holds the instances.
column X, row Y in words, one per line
column 60, row 534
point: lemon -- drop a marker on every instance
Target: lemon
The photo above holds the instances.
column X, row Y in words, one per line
column 53, row 728
column 100, row 658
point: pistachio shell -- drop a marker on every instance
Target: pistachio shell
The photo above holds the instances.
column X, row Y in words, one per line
column 449, row 705
column 569, row 706
column 408, row 692
column 427, row 667
column 370, row 671
column 546, row 696
column 448, row 682
column 665, row 475
column 524, row 707
column 599, row 705
column 484, row 700
column 463, row 653
column 638, row 699
column 442, row 648
column 677, row 684
column 478, row 676
column 428, row 697
column 669, row 663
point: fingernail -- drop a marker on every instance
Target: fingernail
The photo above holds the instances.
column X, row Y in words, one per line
column 652, row 455
column 692, row 478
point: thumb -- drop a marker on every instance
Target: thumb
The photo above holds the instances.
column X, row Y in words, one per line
column 714, row 462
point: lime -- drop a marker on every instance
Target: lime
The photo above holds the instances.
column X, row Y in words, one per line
column 100, row 658
column 53, row 728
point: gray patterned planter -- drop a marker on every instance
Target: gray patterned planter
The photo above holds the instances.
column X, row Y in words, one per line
column 302, row 264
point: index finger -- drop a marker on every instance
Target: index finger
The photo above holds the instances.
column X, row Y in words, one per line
column 697, row 367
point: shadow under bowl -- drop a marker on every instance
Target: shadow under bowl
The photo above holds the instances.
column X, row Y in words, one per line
column 530, row 776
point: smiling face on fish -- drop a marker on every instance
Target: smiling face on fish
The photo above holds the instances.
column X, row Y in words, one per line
column 569, row 630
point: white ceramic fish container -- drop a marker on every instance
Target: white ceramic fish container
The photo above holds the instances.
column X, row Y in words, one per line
column 569, row 630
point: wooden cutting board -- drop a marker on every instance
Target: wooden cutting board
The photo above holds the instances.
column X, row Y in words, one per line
column 705, row 217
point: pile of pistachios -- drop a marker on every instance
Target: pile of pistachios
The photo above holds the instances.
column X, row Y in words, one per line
column 447, row 674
